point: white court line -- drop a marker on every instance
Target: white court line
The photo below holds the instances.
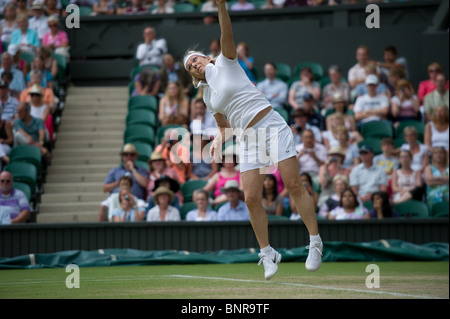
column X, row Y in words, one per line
column 379, row 292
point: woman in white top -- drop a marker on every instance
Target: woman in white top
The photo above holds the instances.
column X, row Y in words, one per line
column 436, row 131
column 418, row 151
column 406, row 183
column 237, row 105
column 163, row 211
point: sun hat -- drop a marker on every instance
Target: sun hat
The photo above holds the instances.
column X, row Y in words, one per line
column 129, row 148
column 163, row 190
column 230, row 185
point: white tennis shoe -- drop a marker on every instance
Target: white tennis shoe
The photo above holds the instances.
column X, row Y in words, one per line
column 270, row 262
column 314, row 259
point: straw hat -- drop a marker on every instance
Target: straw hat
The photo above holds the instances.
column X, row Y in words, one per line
column 163, row 190
column 230, row 185
column 129, row 148
column 156, row 156
column 35, row 89
column 336, row 150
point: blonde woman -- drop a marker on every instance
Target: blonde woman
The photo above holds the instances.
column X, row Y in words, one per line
column 174, row 106
column 239, row 108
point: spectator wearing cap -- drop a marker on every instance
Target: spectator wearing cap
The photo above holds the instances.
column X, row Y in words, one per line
column 24, row 36
column 234, row 208
column 17, row 61
column 301, row 124
column 274, row 89
column 48, row 97
column 38, row 21
column 371, row 106
column 361, row 89
column 14, row 206
column 8, row 103
column 163, row 211
column 314, row 117
column 367, row 178
column 298, row 89
column 17, row 84
column 170, row 183
column 139, row 176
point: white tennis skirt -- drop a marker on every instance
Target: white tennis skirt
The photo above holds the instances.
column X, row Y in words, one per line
column 266, row 143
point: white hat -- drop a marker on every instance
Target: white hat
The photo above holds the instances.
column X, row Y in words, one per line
column 232, row 184
column 371, row 79
column 37, row 4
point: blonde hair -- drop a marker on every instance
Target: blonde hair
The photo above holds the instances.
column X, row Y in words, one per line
column 195, row 81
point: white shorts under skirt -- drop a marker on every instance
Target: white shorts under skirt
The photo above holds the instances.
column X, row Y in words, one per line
column 266, row 143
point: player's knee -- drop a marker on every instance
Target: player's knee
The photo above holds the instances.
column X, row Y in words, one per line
column 294, row 186
column 253, row 200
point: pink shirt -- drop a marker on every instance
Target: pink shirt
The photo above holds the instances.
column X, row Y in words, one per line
column 222, row 180
column 57, row 40
column 426, row 87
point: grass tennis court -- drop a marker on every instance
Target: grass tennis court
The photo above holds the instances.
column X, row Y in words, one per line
column 335, row 280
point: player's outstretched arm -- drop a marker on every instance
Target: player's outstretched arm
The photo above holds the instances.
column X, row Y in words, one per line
column 226, row 38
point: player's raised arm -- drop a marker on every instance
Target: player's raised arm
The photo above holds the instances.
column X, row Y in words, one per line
column 226, row 38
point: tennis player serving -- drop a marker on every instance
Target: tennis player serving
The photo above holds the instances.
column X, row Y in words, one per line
column 238, row 105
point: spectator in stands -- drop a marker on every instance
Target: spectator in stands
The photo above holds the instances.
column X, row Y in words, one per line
column 170, row 183
column 38, row 22
column 8, row 24
column 202, row 212
column 337, row 87
column 392, row 60
column 125, row 184
column 382, row 206
column 17, row 61
column 226, row 173
column 406, row 183
column 147, row 82
column 271, row 4
column 234, row 208
column 24, row 36
column 214, row 46
column 29, row 130
column 47, row 77
column 308, row 184
column 128, row 210
column 174, row 106
column 367, row 177
column 14, row 205
column 209, row 6
column 246, row 61
column 242, row 5
column 163, row 211
column 202, row 120
column 298, row 89
column 387, row 159
column 331, row 168
column 17, row 84
column 437, row 131
column 301, row 124
column 47, row 93
column 371, row 106
column 350, row 149
column 8, row 103
column 427, row 86
column 404, row 105
column 314, row 117
column 337, row 124
column 135, row 7
column 55, row 39
column 349, row 208
column 203, row 165
column 50, row 63
column 311, row 155
column 340, row 106
column 294, row 3
column 151, row 52
column 437, row 97
column 40, row 110
column 158, row 168
column 104, row 7
column 394, row 76
column 436, row 177
column 174, row 72
column 272, row 202
column 361, row 88
column 163, row 7
column 274, row 89
column 138, row 174
column 176, row 153
column 53, row 9
column 357, row 73
column 340, row 183
column 6, row 139
column 22, row 8
column 418, row 150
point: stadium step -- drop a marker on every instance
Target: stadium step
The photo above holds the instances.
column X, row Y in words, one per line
column 89, row 140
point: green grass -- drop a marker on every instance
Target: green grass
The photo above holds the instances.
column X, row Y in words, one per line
column 398, row 280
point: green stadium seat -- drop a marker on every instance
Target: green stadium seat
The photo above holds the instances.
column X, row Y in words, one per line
column 145, row 150
column 25, row 188
column 62, row 66
column 139, row 133
column 141, row 116
column 186, row 208
column 85, row 11
column 315, row 67
column 27, row 153
column 440, row 209
column 183, row 7
column 377, row 129
column 284, row 71
column 284, row 114
column 24, row 173
column 412, row 208
column 420, row 127
column 277, row 217
column 188, row 188
column 146, row 102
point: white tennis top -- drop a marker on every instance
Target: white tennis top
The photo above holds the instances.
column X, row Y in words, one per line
column 228, row 91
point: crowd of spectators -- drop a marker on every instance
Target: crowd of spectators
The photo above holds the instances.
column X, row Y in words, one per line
column 31, row 93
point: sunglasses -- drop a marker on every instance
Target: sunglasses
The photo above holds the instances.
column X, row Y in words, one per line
column 5, row 181
column 433, row 70
column 128, row 154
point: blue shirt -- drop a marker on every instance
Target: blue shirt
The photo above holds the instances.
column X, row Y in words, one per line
column 18, row 82
column 192, row 216
column 32, row 129
column 11, row 205
column 116, row 173
column 368, row 180
column 226, row 212
column 119, row 212
column 9, row 108
column 276, row 86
